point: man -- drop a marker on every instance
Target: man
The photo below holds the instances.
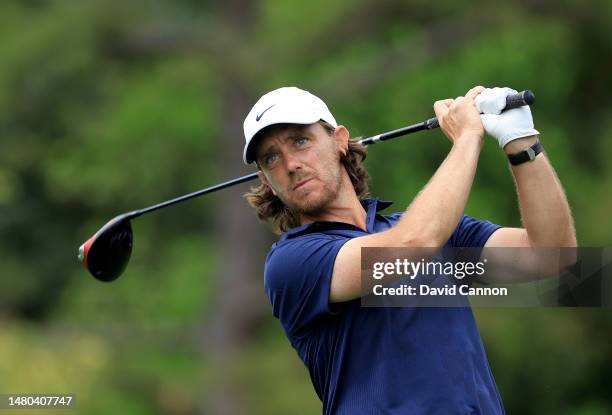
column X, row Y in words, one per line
column 407, row 360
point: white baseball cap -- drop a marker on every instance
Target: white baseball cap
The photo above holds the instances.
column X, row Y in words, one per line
column 287, row 105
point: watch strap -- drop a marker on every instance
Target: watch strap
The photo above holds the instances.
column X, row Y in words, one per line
column 529, row 154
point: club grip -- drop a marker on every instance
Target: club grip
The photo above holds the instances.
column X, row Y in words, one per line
column 432, row 123
column 525, row 97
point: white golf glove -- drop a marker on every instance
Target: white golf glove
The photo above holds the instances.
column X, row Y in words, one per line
column 506, row 126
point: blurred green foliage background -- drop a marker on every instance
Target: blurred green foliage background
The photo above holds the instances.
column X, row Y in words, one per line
column 108, row 106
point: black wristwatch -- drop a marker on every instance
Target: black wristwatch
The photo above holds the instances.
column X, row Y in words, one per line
column 529, row 154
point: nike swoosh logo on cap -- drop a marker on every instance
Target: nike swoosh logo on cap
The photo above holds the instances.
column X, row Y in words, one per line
column 263, row 112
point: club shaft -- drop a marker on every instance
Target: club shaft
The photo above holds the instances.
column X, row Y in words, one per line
column 201, row 192
column 425, row 125
column 252, row 176
column 512, row 101
column 525, row 97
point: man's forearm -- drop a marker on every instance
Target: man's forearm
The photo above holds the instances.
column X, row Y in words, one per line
column 435, row 212
column 545, row 211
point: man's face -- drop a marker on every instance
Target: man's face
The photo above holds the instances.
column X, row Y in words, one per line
column 302, row 166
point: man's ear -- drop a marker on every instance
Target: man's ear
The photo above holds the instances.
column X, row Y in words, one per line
column 264, row 181
column 341, row 134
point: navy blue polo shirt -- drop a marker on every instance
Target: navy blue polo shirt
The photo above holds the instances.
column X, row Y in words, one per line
column 378, row 360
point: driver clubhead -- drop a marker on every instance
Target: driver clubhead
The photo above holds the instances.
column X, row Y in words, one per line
column 106, row 254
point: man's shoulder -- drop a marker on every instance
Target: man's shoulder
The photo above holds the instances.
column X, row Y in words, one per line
column 300, row 244
column 316, row 233
column 295, row 259
column 471, row 232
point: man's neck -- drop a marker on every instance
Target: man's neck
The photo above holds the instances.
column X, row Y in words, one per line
column 345, row 208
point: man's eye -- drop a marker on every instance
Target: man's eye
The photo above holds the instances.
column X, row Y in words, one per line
column 270, row 158
column 301, row 141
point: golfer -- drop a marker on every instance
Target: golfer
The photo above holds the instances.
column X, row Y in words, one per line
column 378, row 360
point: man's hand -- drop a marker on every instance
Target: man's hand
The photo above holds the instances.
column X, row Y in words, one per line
column 459, row 119
column 509, row 125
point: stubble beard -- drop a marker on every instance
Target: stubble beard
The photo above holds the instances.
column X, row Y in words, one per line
column 313, row 206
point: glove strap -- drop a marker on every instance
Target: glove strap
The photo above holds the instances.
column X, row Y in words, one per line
column 529, row 154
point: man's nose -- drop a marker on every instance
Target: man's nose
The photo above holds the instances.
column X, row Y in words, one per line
column 292, row 162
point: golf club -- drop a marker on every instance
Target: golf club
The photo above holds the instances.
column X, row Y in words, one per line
column 107, row 252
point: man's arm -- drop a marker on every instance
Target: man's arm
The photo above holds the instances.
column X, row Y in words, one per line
column 545, row 212
column 434, row 214
column 547, row 222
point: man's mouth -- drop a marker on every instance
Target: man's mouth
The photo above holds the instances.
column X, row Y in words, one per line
column 301, row 183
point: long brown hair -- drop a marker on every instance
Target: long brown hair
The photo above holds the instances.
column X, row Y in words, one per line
column 272, row 210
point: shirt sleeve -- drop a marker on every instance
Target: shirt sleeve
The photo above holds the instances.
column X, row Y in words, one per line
column 472, row 232
column 297, row 280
